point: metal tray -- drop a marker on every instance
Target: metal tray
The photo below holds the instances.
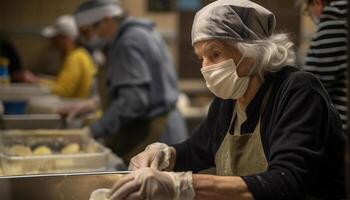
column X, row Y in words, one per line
column 56, row 186
column 32, row 121
column 93, row 157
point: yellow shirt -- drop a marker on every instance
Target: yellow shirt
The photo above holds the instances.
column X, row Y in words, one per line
column 76, row 76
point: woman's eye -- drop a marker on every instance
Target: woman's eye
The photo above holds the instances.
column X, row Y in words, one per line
column 216, row 54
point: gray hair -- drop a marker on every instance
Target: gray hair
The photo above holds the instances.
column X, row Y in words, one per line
column 270, row 54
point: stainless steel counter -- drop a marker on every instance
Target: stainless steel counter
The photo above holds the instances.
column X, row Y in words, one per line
column 56, row 186
column 32, row 121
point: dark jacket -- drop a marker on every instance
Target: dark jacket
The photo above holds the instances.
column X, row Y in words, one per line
column 301, row 135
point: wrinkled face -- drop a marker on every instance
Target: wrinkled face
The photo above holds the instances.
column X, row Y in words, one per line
column 214, row 51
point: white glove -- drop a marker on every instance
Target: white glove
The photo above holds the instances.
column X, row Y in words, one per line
column 152, row 184
column 155, row 156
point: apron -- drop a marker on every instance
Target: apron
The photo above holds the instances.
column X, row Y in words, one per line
column 133, row 138
column 241, row 155
column 101, row 87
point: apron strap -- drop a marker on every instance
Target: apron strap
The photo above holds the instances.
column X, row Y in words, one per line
column 262, row 109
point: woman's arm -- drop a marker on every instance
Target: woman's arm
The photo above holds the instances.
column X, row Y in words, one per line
column 210, row 187
column 154, row 184
column 198, row 152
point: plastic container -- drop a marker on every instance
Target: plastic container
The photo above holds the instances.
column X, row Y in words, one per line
column 16, row 97
column 4, row 71
column 32, row 121
column 22, row 91
column 93, row 157
column 47, row 104
column 15, row 107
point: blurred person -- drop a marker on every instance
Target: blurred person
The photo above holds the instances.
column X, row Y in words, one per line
column 88, row 40
column 140, row 95
column 327, row 55
column 9, row 51
column 97, row 51
column 75, row 78
column 272, row 132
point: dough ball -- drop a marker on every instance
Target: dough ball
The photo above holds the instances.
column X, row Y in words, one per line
column 100, row 194
column 20, row 150
column 72, row 148
column 42, row 150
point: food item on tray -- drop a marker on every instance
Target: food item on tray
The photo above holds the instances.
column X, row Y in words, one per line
column 42, row 150
column 100, row 194
column 71, row 148
column 20, row 150
column 23, row 150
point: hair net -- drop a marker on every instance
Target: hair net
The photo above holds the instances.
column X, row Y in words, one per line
column 92, row 11
column 238, row 20
column 64, row 25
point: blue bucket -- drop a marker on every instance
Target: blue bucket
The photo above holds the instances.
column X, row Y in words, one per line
column 15, row 107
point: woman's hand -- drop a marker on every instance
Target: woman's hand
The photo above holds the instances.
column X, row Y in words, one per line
column 79, row 109
column 210, row 187
column 156, row 156
column 152, row 184
column 28, row 76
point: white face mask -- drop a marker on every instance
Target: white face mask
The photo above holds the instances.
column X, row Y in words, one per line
column 223, row 81
column 96, row 42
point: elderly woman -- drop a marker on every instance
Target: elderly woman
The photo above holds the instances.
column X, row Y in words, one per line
column 271, row 132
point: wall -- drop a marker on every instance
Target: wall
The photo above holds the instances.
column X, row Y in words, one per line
column 22, row 20
column 308, row 28
column 166, row 22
